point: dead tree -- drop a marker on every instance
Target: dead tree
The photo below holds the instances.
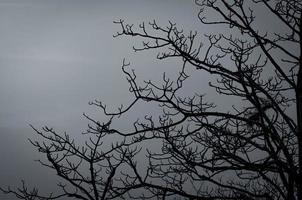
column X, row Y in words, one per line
column 206, row 152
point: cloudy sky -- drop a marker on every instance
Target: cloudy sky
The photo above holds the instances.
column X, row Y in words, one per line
column 55, row 57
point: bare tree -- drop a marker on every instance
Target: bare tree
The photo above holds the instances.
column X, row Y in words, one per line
column 252, row 150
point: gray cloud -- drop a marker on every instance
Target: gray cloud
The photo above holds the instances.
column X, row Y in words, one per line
column 55, row 56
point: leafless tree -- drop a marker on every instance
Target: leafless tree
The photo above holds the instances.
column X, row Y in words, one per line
column 252, row 150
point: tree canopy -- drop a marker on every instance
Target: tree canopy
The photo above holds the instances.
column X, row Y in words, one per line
column 250, row 150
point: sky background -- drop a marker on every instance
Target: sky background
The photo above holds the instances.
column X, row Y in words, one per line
column 55, row 57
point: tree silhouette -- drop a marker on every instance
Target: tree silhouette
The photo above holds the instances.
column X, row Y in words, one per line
column 252, row 150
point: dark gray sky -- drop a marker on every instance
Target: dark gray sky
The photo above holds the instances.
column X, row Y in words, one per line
column 56, row 56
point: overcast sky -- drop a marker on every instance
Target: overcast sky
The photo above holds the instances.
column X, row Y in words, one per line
column 55, row 57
